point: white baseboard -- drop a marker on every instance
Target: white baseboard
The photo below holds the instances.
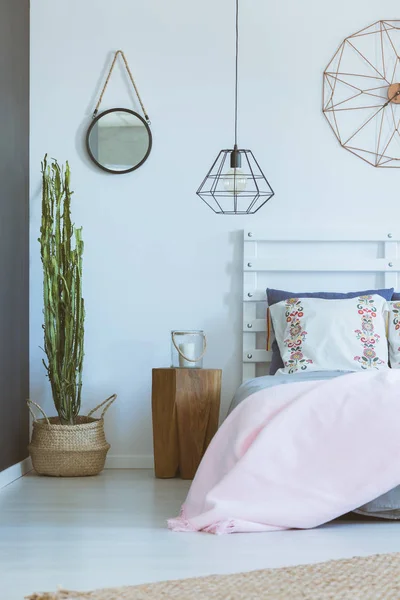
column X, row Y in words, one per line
column 126, row 461
column 15, row 472
column 135, row 461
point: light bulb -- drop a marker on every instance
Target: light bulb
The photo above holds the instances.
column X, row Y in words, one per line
column 235, row 181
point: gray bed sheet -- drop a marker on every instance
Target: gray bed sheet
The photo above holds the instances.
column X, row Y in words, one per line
column 261, row 383
column 386, row 506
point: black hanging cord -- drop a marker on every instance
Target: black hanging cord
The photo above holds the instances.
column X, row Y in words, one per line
column 236, row 69
column 236, row 159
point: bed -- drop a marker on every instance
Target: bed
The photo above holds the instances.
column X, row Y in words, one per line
column 320, row 437
column 370, row 257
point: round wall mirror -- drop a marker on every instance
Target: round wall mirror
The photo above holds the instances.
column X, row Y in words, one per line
column 119, row 140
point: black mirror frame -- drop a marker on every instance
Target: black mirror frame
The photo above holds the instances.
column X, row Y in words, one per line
column 132, row 112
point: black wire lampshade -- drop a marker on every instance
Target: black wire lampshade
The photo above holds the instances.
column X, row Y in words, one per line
column 235, row 184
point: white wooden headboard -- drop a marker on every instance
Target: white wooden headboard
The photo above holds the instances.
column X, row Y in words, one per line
column 300, row 261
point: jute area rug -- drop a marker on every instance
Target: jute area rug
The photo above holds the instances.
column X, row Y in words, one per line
column 372, row 578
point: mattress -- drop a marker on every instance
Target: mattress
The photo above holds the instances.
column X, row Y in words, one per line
column 386, row 506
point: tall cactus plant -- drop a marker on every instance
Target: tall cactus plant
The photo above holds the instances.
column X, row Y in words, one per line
column 61, row 252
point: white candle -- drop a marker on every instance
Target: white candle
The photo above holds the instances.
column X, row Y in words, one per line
column 189, row 350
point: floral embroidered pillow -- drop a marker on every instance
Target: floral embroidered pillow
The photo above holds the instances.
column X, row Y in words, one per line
column 394, row 334
column 315, row 334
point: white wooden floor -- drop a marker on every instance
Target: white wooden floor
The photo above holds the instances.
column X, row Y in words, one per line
column 110, row 530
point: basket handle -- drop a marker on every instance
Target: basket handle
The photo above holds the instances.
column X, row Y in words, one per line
column 30, row 403
column 108, row 403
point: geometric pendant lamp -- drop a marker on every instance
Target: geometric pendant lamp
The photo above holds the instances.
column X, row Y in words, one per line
column 235, row 183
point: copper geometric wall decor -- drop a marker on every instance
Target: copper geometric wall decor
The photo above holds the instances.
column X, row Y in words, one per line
column 361, row 98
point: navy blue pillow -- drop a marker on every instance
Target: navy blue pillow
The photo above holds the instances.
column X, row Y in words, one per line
column 275, row 296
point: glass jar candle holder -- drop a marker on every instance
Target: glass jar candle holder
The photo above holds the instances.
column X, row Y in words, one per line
column 188, row 349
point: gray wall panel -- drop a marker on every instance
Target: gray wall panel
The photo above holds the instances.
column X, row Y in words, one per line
column 14, row 230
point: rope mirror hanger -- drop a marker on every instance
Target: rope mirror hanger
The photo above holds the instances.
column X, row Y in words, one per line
column 119, row 140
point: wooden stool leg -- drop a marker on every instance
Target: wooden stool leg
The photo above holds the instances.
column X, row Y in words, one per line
column 215, row 402
column 165, row 433
column 197, row 404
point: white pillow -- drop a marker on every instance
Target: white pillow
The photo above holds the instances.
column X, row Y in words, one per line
column 316, row 334
column 394, row 334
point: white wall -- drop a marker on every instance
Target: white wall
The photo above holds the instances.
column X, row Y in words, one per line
column 156, row 258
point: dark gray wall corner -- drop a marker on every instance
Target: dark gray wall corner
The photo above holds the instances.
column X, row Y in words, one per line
column 14, row 230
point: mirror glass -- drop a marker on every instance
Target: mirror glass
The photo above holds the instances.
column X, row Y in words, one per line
column 119, row 140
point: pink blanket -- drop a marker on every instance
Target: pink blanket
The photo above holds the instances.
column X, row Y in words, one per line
column 298, row 455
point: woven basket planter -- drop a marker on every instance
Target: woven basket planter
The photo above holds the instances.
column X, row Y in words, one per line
column 69, row 450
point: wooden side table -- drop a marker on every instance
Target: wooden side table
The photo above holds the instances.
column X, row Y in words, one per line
column 185, row 406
